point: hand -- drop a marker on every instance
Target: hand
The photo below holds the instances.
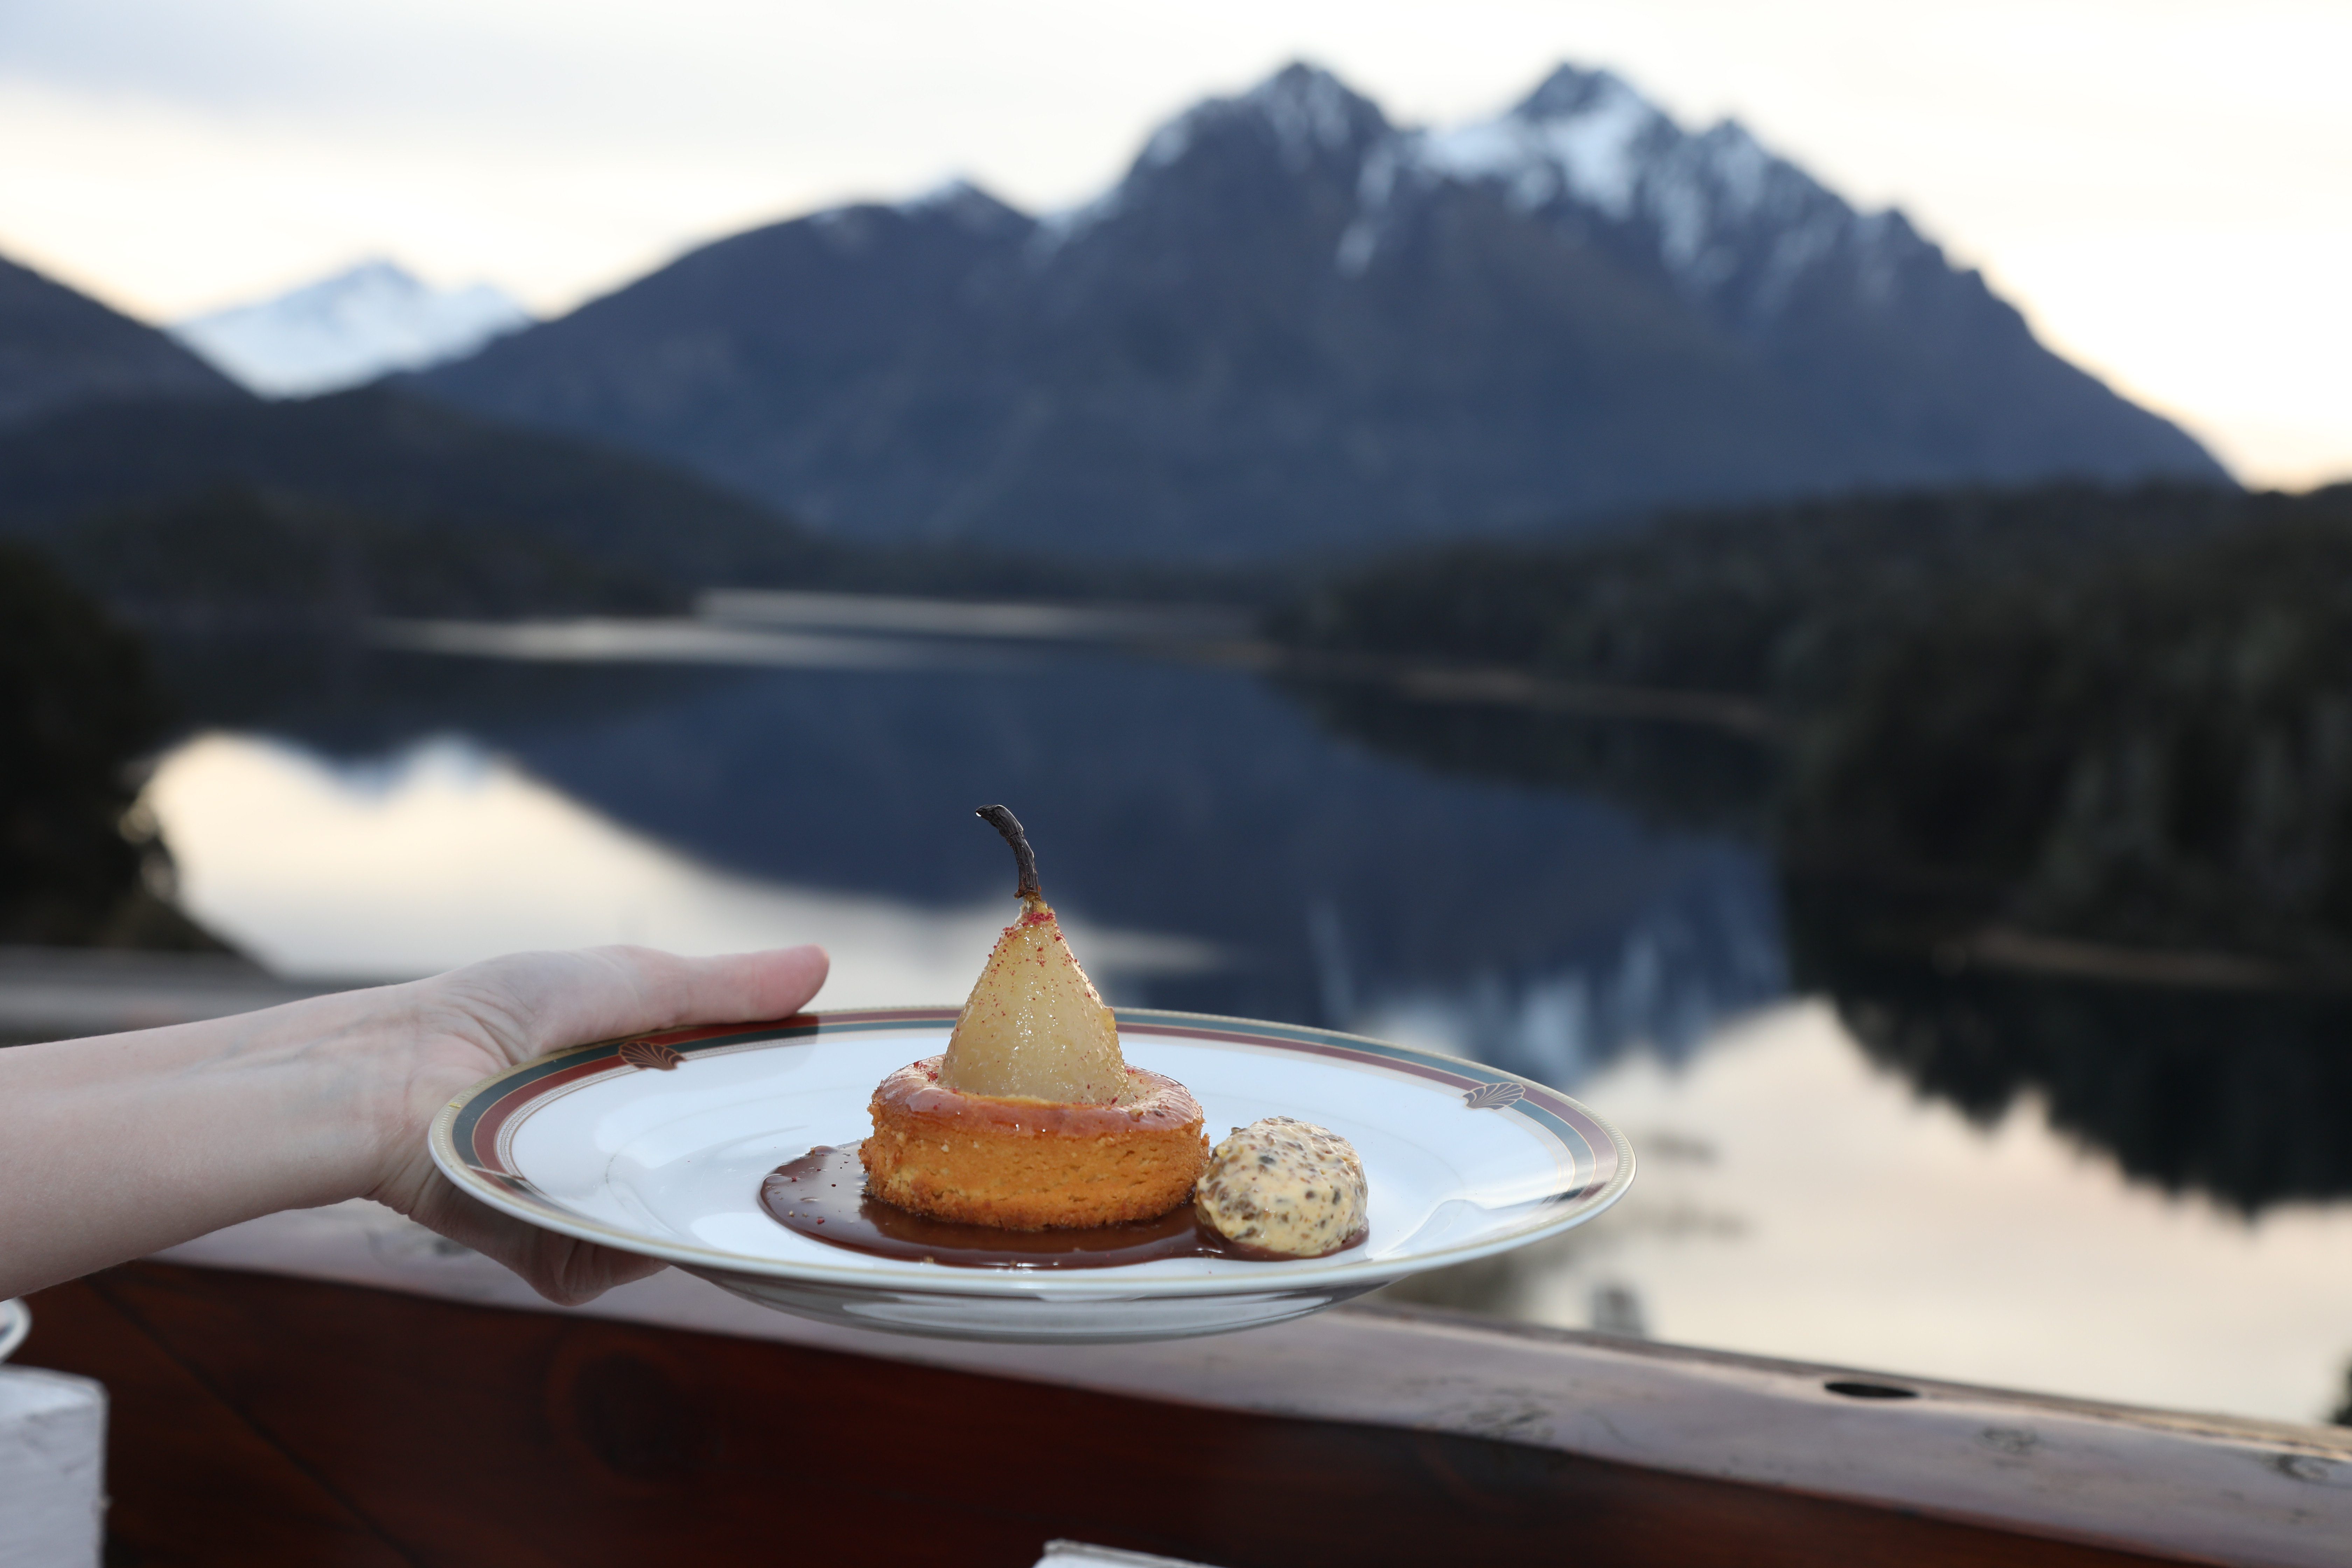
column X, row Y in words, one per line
column 483, row 1019
column 120, row 1145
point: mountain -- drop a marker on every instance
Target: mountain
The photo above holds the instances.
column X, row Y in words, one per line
column 181, row 499
column 1294, row 326
column 58, row 348
column 233, row 510
column 397, row 462
column 348, row 328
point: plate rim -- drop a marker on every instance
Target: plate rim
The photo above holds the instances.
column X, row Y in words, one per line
column 879, row 1274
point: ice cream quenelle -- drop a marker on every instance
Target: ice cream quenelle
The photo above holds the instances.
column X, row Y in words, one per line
column 1285, row 1187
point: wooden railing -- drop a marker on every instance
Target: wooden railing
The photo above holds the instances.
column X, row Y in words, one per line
column 340, row 1385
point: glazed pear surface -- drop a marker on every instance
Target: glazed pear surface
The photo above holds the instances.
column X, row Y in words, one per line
column 1033, row 1028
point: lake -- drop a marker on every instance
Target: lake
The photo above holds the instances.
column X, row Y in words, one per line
column 2034, row 1187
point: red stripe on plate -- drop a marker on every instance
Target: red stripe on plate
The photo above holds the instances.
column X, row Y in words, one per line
column 484, row 1152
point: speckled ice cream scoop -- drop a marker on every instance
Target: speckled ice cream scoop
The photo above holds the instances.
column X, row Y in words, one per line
column 1282, row 1186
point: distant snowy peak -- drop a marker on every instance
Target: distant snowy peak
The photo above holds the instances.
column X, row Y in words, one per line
column 1732, row 223
column 1293, row 326
column 1582, row 133
column 350, row 329
column 1739, row 232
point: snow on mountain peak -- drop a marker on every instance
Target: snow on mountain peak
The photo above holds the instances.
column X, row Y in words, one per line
column 1716, row 206
column 1742, row 168
column 348, row 328
column 1581, row 134
column 1733, row 226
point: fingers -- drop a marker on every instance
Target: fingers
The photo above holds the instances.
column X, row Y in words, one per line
column 569, row 1272
column 565, row 1270
column 773, row 984
column 660, row 990
column 527, row 1003
column 544, row 1002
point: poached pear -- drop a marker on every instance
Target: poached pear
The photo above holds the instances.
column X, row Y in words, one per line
column 1034, row 1026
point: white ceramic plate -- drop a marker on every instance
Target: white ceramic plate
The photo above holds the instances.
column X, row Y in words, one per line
column 15, row 1322
column 604, row 1143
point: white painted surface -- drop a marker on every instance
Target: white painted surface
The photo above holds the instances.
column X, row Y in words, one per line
column 2207, row 1488
column 52, row 1469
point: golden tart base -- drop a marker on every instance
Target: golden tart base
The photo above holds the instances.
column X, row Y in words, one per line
column 1033, row 1165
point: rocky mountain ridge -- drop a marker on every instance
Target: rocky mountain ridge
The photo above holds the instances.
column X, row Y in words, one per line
column 1294, row 326
column 60, row 348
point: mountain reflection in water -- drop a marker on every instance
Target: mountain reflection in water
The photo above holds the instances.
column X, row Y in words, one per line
column 2242, row 1095
column 2078, row 1187
column 1535, row 892
column 1543, row 930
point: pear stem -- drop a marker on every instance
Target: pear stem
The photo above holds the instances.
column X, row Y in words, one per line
column 1023, row 856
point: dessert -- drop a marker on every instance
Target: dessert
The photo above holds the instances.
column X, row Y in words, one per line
column 1286, row 1188
column 1032, row 1119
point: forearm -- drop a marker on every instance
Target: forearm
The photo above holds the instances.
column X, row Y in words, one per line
column 116, row 1146
column 120, row 1145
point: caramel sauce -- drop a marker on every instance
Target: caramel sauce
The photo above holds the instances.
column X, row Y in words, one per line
column 822, row 1195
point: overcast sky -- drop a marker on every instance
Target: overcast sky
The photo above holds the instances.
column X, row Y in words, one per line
column 2164, row 186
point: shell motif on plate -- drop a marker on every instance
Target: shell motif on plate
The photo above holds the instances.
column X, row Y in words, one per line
column 653, row 1055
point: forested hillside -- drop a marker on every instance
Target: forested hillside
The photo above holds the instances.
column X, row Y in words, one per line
column 231, row 512
column 79, row 707
column 2117, row 715
column 60, row 348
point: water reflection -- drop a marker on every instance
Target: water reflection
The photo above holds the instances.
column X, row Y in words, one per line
column 2244, row 1094
column 1336, row 885
column 2065, row 1184
column 2051, row 1184
column 1799, row 1199
column 443, row 853
column 1665, row 979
